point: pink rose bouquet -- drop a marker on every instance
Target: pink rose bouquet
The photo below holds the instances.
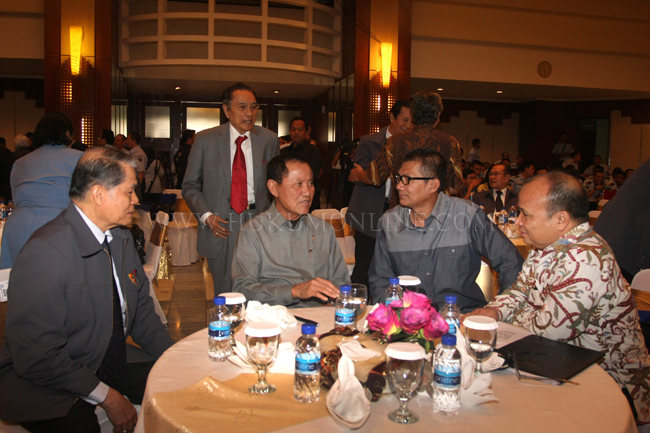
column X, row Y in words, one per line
column 412, row 319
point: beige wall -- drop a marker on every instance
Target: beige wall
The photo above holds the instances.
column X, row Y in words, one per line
column 19, row 115
column 589, row 43
column 629, row 144
column 21, row 29
column 494, row 138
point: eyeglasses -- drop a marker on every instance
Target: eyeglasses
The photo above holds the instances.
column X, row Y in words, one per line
column 496, row 173
column 244, row 107
column 407, row 179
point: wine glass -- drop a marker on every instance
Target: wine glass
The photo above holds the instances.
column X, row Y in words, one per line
column 359, row 295
column 404, row 368
column 480, row 338
column 513, row 227
column 235, row 304
column 262, row 340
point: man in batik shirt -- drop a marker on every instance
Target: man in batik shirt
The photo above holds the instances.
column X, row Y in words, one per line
column 570, row 288
column 425, row 115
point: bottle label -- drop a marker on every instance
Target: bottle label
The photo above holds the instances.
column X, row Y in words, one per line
column 453, row 325
column 450, row 380
column 307, row 364
column 389, row 300
column 219, row 330
column 344, row 317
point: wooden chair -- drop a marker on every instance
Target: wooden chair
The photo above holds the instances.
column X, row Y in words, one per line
column 593, row 216
column 348, row 233
column 641, row 290
column 602, row 203
column 334, row 217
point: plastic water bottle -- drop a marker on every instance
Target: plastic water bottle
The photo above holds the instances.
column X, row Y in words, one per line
column 306, row 388
column 10, row 207
column 219, row 347
column 451, row 313
column 394, row 291
column 447, row 367
column 344, row 310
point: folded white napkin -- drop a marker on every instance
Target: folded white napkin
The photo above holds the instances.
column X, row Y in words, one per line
column 346, row 401
column 475, row 389
column 278, row 314
column 355, row 351
column 285, row 362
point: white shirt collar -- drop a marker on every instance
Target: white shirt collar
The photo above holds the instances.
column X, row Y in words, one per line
column 503, row 191
column 99, row 234
column 234, row 133
column 388, row 134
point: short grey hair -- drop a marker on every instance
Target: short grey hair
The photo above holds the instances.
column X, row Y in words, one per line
column 565, row 193
column 99, row 165
column 21, row 141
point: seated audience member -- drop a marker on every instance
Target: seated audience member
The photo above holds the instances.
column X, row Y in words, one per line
column 618, row 176
column 628, row 173
column 71, row 308
column 597, row 162
column 437, row 238
column 625, row 223
column 517, row 164
column 571, row 171
column 571, row 288
column 285, row 256
column 499, row 197
column 478, row 168
column 596, row 185
column 22, row 145
column 541, row 169
column 574, row 161
column 471, row 181
column 527, row 170
column 504, row 155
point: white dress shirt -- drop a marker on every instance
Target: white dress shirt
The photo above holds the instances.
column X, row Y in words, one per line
column 98, row 395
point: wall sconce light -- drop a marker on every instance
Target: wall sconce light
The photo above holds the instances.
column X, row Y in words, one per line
column 386, row 57
column 76, row 35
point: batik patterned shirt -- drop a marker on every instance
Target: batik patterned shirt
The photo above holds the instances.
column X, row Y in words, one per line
column 572, row 291
column 390, row 157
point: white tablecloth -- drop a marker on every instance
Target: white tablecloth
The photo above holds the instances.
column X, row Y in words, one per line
column 596, row 405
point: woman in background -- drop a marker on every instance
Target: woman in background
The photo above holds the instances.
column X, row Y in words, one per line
column 40, row 182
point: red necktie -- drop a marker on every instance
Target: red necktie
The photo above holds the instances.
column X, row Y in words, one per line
column 239, row 185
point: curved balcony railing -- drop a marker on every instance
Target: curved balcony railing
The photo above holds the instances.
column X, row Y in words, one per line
column 296, row 35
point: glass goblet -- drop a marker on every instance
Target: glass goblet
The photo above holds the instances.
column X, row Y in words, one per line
column 262, row 340
column 513, row 227
column 235, row 304
column 404, row 369
column 359, row 295
column 480, row 338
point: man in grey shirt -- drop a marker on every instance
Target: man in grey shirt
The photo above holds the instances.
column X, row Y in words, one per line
column 437, row 238
column 285, row 256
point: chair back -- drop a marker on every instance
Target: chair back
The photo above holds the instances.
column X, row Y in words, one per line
column 350, row 243
column 593, row 216
column 4, row 283
column 641, row 293
column 145, row 223
column 602, row 203
column 154, row 247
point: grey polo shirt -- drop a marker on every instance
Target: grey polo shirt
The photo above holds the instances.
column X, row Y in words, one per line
column 272, row 255
column 445, row 254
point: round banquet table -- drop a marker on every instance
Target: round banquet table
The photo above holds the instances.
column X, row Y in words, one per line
column 596, row 405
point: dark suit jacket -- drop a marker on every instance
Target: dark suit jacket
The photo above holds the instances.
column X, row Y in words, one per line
column 60, row 319
column 486, row 199
column 206, row 187
column 367, row 201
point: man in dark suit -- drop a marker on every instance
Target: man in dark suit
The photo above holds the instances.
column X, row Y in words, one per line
column 77, row 290
column 368, row 202
column 499, row 197
column 225, row 180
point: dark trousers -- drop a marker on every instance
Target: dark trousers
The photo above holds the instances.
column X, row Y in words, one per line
column 81, row 418
column 364, row 250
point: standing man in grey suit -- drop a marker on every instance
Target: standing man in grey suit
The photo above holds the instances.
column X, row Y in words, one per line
column 225, row 180
column 368, row 202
